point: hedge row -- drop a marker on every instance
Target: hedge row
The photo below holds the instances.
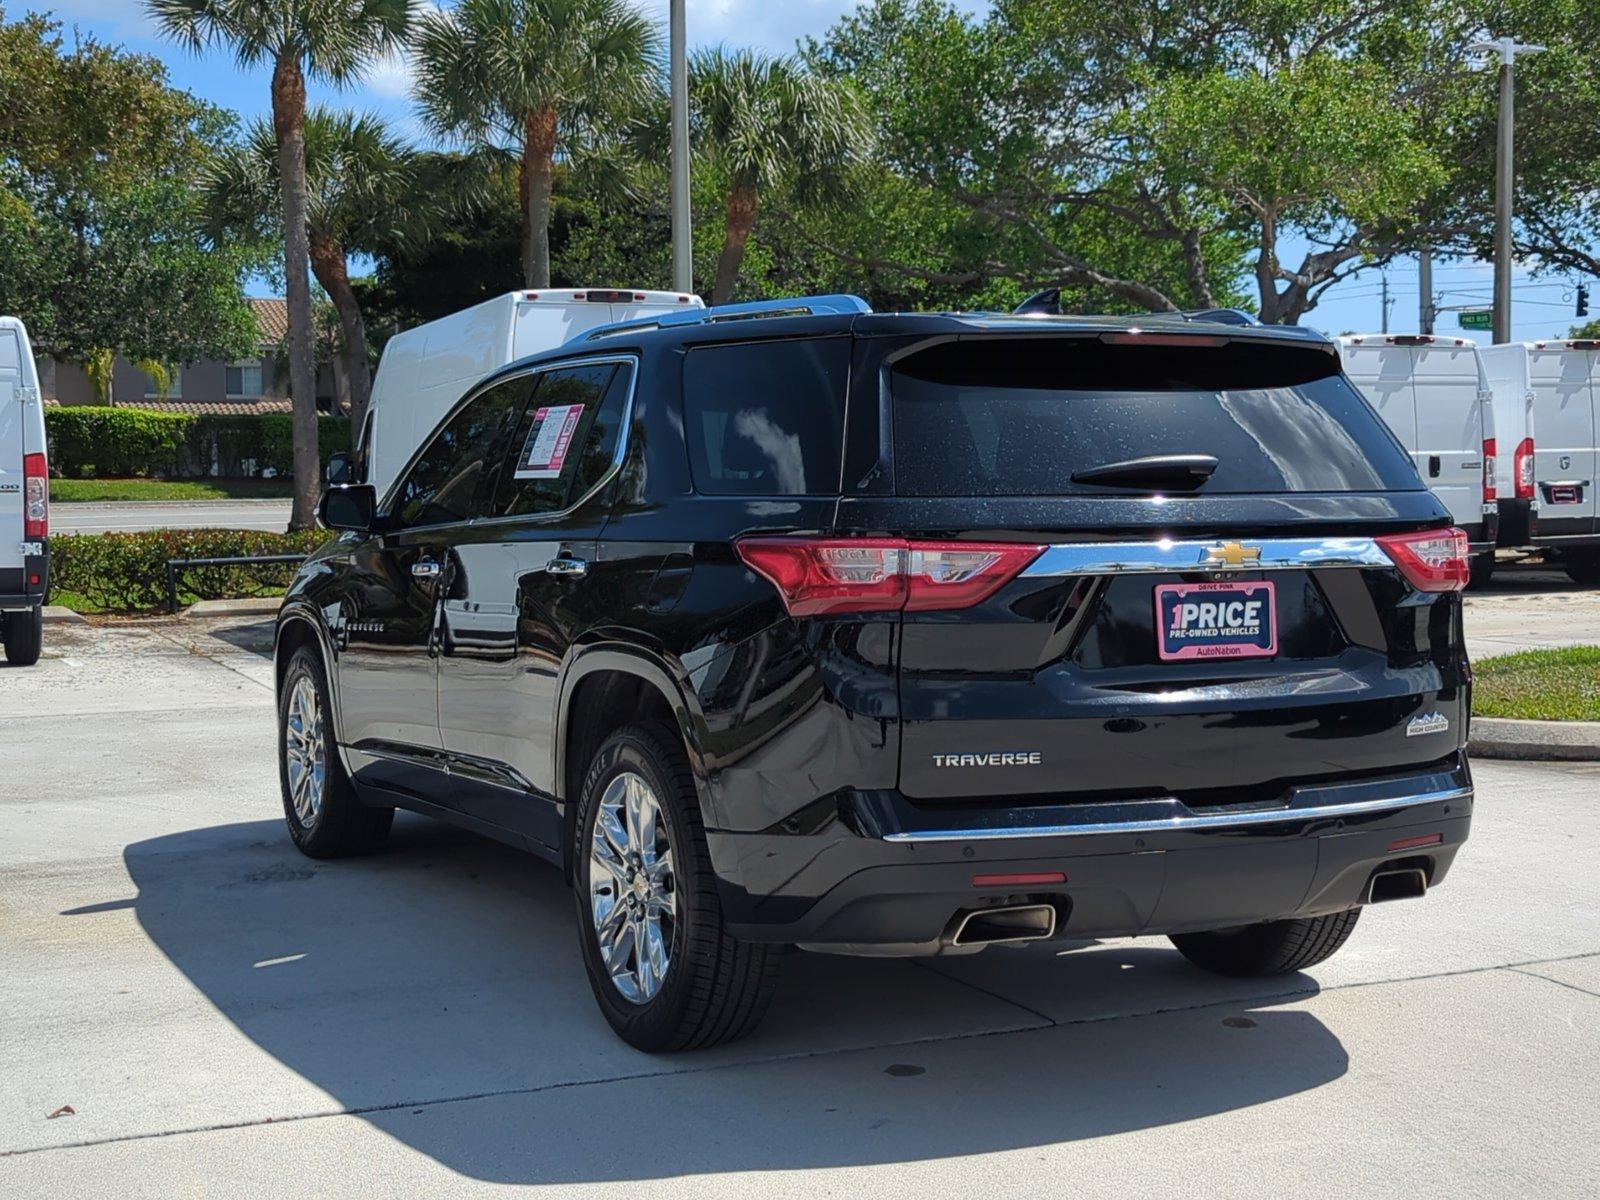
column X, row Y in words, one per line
column 90, row 442
column 128, row 571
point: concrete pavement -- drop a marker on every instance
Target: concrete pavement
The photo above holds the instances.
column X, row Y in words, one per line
column 226, row 1017
column 133, row 516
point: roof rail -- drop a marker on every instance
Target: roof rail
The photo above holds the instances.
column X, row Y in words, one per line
column 1048, row 303
column 755, row 310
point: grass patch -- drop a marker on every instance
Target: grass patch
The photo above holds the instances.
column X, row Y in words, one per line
column 68, row 491
column 1539, row 685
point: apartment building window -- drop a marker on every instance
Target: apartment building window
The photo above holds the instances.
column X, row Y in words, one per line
column 244, row 381
column 174, row 385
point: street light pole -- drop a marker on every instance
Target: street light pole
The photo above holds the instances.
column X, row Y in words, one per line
column 1507, row 49
column 682, row 227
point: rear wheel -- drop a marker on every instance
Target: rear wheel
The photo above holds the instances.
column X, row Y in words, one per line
column 1582, row 566
column 666, row 972
column 23, row 633
column 326, row 818
column 1483, row 568
column 1271, row 948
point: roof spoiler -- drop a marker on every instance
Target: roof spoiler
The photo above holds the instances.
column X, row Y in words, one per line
column 755, row 310
column 1048, row 303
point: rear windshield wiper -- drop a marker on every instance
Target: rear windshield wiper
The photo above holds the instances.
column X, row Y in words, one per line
column 1171, row 472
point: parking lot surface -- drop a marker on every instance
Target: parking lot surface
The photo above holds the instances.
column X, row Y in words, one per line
column 225, row 1017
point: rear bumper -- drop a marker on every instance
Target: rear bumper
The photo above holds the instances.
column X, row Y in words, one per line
column 885, row 878
column 18, row 592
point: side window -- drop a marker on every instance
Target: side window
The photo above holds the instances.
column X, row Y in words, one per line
column 566, row 439
column 457, row 473
column 766, row 418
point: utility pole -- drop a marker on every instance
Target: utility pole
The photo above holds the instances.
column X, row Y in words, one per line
column 682, row 221
column 1425, row 311
column 1384, row 303
column 1507, row 49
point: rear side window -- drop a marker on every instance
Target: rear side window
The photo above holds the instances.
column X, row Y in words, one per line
column 455, row 476
column 1012, row 417
column 766, row 418
column 567, row 438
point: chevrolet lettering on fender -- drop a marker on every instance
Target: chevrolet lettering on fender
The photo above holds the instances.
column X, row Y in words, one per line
column 1005, row 758
column 764, row 652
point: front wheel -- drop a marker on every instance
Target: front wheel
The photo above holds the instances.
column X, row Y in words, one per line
column 1271, row 948
column 23, row 634
column 666, row 972
column 326, row 818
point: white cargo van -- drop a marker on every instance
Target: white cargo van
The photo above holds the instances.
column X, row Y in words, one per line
column 427, row 369
column 24, row 498
column 1507, row 370
column 1432, row 392
column 1564, row 516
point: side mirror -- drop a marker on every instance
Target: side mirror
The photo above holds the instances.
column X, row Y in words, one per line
column 339, row 470
column 351, row 506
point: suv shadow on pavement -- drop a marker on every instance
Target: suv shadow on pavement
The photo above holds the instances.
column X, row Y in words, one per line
column 433, row 991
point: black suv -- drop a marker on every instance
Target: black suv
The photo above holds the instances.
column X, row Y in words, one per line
column 898, row 635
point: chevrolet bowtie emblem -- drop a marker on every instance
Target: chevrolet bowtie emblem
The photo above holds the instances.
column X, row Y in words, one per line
column 1233, row 554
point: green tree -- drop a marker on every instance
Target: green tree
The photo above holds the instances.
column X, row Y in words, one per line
column 769, row 125
column 553, row 79
column 329, row 39
column 102, row 250
column 361, row 192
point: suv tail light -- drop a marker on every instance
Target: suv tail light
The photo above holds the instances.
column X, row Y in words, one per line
column 1434, row 560
column 1490, row 455
column 35, row 497
column 1522, row 469
column 835, row 575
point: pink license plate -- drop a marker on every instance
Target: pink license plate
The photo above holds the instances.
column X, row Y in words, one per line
column 1216, row 620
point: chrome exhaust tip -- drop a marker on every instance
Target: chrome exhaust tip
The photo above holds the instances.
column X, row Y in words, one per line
column 1407, row 884
column 1012, row 923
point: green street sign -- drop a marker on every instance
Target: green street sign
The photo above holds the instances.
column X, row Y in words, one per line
column 1476, row 318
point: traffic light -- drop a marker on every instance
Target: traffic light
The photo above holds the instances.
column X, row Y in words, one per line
column 1583, row 300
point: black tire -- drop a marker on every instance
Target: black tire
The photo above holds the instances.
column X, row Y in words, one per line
column 1272, row 948
column 715, row 988
column 23, row 634
column 341, row 824
column 1582, row 566
column 1482, row 569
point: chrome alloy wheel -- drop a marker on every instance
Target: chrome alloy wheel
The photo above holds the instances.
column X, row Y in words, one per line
column 632, row 891
column 305, row 752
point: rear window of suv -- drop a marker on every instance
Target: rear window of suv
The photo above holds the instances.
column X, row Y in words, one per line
column 766, row 418
column 1018, row 417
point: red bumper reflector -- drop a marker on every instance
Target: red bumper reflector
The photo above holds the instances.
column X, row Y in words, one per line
column 1019, row 879
column 1411, row 843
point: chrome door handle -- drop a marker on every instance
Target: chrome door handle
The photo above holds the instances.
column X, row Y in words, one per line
column 426, row 569
column 565, row 565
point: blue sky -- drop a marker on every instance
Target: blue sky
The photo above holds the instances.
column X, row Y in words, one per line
column 1542, row 307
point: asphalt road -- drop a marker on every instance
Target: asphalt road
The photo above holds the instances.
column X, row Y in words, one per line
column 95, row 517
column 223, row 1016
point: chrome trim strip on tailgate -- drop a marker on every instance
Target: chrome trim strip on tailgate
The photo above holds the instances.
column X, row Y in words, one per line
column 1263, row 554
column 1178, row 816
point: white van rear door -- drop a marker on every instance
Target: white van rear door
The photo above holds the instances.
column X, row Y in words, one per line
column 1450, row 427
column 1383, row 373
column 11, row 450
column 1564, row 450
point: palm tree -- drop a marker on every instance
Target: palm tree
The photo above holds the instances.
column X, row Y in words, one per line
column 328, row 39
column 551, row 78
column 764, row 124
column 361, row 189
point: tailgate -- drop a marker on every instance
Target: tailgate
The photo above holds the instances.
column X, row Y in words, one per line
column 13, row 429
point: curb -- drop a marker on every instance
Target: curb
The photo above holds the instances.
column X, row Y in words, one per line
column 59, row 614
column 251, row 606
column 1535, row 741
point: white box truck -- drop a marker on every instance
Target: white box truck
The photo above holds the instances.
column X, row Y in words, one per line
column 425, row 370
column 1432, row 392
column 24, row 499
column 1563, row 443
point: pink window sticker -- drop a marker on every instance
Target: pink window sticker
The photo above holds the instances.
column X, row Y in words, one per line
column 545, row 453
